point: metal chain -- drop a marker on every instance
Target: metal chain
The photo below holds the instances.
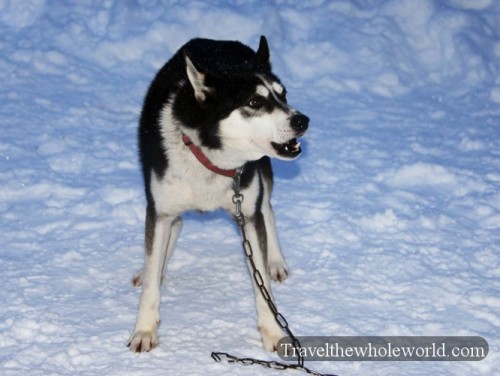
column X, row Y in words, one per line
column 219, row 356
column 257, row 276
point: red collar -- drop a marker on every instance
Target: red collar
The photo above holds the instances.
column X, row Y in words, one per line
column 204, row 159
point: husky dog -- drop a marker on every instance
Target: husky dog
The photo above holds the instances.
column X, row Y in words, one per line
column 213, row 109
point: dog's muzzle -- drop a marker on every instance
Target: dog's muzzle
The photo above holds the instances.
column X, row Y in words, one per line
column 291, row 148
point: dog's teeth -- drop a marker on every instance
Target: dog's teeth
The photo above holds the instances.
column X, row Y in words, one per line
column 296, row 146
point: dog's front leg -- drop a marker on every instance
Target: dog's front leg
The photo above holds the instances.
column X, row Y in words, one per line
column 158, row 232
column 269, row 329
column 174, row 233
column 276, row 263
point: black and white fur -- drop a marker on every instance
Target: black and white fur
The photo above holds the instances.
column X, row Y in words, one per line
column 224, row 96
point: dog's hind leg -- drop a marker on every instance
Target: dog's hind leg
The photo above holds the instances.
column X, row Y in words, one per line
column 269, row 329
column 158, row 235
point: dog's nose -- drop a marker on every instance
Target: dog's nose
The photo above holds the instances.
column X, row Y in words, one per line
column 300, row 122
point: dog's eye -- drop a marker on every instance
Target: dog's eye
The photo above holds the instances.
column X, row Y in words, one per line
column 256, row 103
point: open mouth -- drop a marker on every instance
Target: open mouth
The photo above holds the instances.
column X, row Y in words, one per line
column 289, row 149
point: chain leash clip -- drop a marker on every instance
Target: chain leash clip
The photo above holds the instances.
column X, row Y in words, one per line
column 238, row 198
column 257, row 276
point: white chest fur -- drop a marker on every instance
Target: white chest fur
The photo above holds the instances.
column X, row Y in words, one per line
column 188, row 187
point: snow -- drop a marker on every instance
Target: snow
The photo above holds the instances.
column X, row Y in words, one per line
column 390, row 219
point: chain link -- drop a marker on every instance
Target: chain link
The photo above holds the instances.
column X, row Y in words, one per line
column 257, row 276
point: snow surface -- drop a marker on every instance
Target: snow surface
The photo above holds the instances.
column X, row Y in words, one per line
column 390, row 220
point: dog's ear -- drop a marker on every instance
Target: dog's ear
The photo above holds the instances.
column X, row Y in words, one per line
column 197, row 80
column 261, row 58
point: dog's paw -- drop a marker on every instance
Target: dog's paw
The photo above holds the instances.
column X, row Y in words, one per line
column 271, row 336
column 142, row 341
column 278, row 271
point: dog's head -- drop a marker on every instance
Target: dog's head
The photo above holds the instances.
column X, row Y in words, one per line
column 246, row 109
